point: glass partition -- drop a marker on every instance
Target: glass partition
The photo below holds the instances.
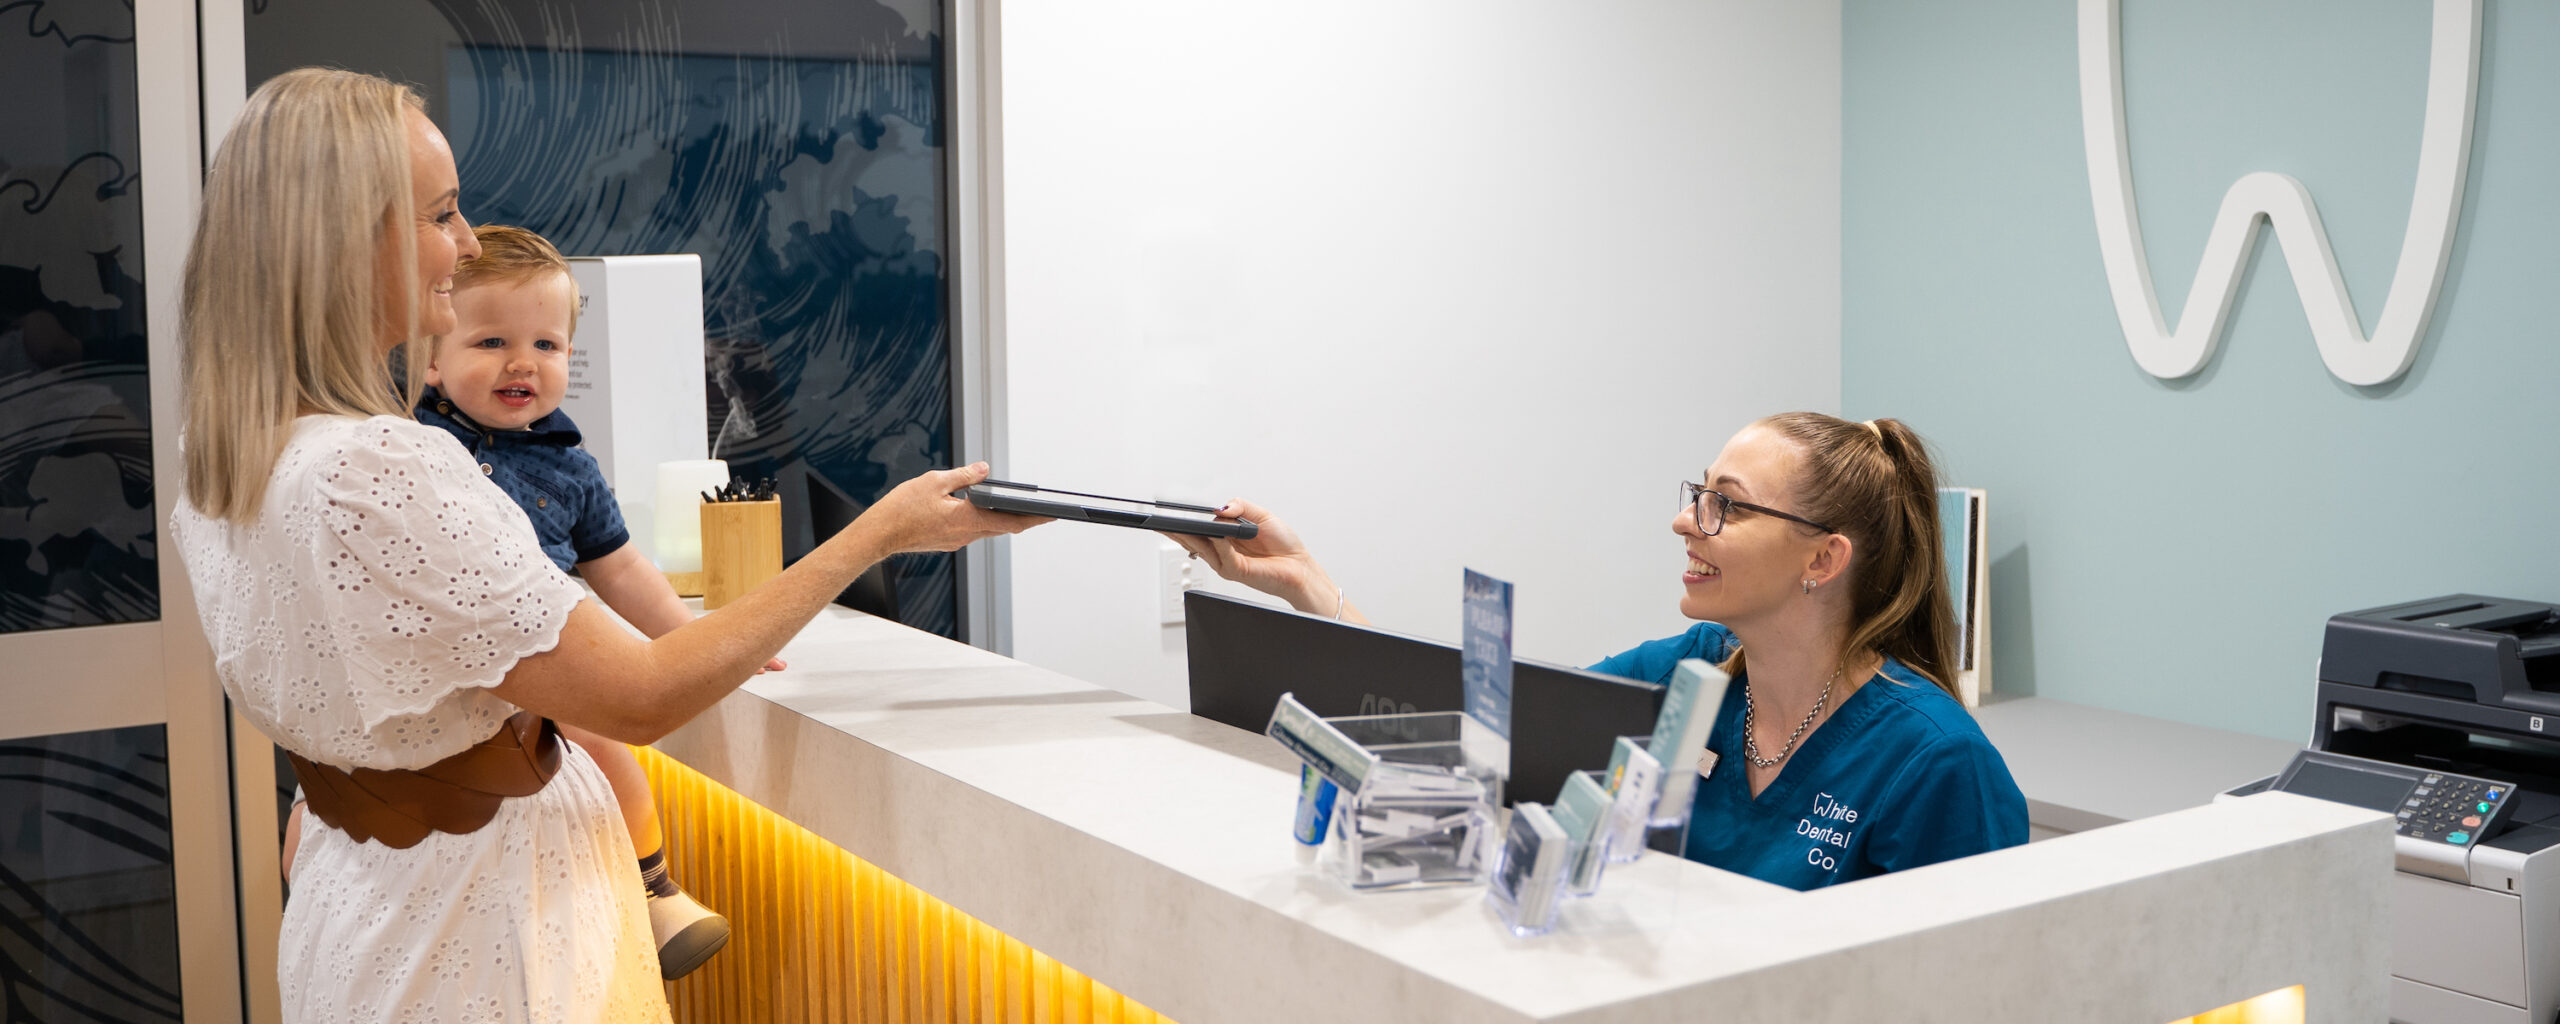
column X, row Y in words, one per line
column 87, row 893
column 77, row 544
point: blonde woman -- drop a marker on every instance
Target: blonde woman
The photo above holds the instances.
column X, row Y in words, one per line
column 385, row 614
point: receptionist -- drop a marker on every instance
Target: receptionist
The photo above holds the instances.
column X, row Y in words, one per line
column 1815, row 569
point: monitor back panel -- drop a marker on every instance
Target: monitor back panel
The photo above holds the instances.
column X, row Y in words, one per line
column 1244, row 656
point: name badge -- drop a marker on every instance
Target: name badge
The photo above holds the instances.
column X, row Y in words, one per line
column 1706, row 764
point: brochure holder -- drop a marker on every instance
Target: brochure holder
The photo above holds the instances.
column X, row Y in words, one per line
column 1671, row 838
column 1530, row 872
column 1634, row 824
column 1425, row 816
column 1589, row 850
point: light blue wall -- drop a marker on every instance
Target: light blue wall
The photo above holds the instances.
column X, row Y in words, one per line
column 2169, row 548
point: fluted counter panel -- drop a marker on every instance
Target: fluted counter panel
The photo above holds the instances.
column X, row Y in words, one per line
column 820, row 936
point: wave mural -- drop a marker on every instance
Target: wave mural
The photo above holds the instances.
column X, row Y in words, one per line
column 797, row 148
column 88, row 898
column 77, row 545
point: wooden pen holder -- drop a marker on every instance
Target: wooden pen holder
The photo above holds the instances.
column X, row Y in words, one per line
column 741, row 547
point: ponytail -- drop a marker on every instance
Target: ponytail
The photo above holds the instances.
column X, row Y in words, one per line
column 1875, row 483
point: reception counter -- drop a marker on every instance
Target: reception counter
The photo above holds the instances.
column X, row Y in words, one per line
column 1149, row 850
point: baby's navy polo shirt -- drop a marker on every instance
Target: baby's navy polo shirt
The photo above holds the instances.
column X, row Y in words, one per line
column 559, row 485
column 1899, row 776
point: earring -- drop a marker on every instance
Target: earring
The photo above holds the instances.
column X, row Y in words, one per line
column 1809, row 585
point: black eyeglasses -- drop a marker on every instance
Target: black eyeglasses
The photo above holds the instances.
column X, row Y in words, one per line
column 1699, row 499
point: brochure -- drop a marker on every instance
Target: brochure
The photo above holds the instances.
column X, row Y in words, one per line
column 1689, row 709
column 1636, row 779
column 1321, row 745
column 1582, row 810
column 1532, row 867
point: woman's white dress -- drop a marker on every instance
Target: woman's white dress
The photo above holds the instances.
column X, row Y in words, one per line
column 360, row 621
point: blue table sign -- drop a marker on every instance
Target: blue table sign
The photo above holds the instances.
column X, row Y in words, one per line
column 1486, row 657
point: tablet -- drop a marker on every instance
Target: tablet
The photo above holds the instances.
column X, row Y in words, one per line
column 1166, row 516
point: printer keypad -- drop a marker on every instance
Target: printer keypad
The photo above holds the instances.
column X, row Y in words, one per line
column 2449, row 808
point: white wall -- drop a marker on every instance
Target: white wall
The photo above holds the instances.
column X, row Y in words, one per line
column 1447, row 284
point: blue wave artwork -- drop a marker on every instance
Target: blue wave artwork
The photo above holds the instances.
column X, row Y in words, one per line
column 796, row 147
column 77, row 544
column 812, row 190
column 88, row 891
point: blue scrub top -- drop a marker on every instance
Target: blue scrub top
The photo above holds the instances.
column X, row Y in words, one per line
column 1899, row 776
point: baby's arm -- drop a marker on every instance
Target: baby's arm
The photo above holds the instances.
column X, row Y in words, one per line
column 634, row 588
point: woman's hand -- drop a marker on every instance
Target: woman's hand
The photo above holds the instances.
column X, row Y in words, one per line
column 604, row 679
column 1274, row 562
column 921, row 514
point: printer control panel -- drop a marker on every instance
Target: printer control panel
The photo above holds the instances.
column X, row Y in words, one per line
column 2432, row 806
column 2456, row 809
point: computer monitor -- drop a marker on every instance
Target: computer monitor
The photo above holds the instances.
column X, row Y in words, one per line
column 831, row 510
column 1245, row 655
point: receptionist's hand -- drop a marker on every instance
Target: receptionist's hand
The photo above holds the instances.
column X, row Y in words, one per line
column 1274, row 562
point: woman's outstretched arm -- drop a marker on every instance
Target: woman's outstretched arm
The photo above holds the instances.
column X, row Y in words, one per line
column 604, row 679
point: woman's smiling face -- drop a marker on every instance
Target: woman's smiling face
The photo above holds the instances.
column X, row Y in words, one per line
column 1756, row 562
column 443, row 236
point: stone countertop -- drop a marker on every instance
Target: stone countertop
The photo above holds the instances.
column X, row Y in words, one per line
column 1150, row 850
column 2083, row 767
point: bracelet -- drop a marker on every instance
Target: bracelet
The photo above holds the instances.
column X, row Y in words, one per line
column 1337, row 602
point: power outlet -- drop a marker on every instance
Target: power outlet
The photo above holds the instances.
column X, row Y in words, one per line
column 1176, row 572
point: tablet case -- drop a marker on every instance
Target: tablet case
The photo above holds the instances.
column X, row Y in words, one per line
column 1001, row 496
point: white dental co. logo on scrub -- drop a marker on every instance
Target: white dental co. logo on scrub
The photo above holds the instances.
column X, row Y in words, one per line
column 1830, row 826
column 2444, row 157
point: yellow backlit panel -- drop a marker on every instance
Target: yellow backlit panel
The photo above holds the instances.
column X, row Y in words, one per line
column 819, row 935
column 2282, row 1006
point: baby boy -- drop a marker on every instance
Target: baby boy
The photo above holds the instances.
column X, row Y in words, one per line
column 496, row 383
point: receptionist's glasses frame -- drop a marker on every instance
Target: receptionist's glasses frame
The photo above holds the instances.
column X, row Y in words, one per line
column 1711, row 524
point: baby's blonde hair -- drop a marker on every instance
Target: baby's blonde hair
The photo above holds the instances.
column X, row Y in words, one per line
column 286, row 301
column 514, row 255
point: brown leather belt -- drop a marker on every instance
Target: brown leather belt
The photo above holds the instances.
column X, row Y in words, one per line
column 457, row 795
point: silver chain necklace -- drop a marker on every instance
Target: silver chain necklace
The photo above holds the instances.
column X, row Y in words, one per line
column 1751, row 747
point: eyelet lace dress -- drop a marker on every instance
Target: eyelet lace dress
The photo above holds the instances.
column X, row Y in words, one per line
column 360, row 622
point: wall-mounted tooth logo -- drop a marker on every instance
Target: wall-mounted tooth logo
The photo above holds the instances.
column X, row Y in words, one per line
column 2444, row 157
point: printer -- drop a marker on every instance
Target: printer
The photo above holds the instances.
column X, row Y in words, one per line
column 2446, row 714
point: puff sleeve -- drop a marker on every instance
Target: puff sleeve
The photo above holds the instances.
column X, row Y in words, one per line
column 431, row 584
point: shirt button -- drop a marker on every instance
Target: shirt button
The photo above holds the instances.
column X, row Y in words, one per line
column 542, row 503
column 486, row 469
column 445, row 408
